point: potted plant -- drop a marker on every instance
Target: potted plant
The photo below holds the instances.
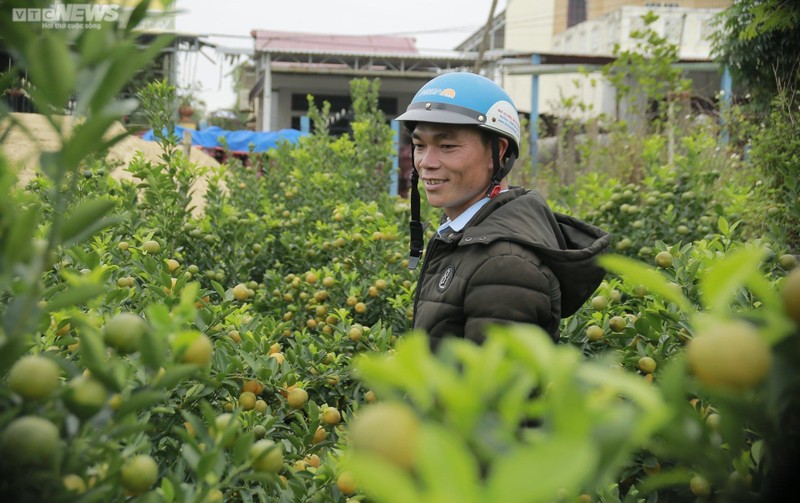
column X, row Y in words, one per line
column 15, row 92
column 189, row 105
column 185, row 109
column 13, row 85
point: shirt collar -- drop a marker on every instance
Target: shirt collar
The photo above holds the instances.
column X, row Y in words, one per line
column 463, row 219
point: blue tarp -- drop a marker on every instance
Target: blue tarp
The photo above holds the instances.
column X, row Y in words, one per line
column 237, row 141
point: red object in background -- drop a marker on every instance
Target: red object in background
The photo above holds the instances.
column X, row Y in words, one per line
column 404, row 165
column 221, row 155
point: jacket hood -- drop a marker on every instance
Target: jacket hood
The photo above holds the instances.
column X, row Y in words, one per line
column 567, row 245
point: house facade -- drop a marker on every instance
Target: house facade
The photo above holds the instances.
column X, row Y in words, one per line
column 290, row 66
column 586, row 32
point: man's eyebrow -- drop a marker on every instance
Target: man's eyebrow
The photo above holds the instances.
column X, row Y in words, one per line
column 440, row 135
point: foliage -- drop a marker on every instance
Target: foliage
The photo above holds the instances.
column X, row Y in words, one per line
column 647, row 70
column 373, row 135
column 239, row 348
column 370, row 147
column 501, row 421
column 706, row 283
column 98, row 62
column 656, row 126
column 774, row 155
column 757, row 40
column 190, row 105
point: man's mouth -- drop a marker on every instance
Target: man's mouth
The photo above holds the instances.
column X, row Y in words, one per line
column 434, row 181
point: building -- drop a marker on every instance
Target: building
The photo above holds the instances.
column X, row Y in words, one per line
column 573, row 34
column 540, row 52
column 290, row 66
column 160, row 20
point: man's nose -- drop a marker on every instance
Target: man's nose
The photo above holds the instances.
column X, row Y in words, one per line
column 429, row 159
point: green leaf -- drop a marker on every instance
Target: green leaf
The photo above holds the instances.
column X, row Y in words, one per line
column 670, row 477
column 723, row 226
column 635, row 272
column 447, row 466
column 86, row 138
column 153, row 349
column 75, row 296
column 17, row 245
column 175, row 374
column 218, row 288
column 137, row 15
column 128, row 59
column 140, row 400
column 159, row 317
column 51, row 69
column 240, row 452
column 95, row 45
column 545, row 471
column 92, row 350
column 513, row 403
column 189, row 295
column 191, row 456
column 643, row 327
column 313, row 409
column 208, row 463
column 114, row 375
column 184, row 339
column 168, row 490
column 655, row 413
column 383, row 481
column 86, row 219
column 722, row 281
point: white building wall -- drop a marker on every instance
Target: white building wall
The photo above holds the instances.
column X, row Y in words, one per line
column 689, row 29
column 529, row 27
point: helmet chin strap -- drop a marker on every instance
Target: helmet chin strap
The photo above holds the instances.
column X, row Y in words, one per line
column 500, row 170
column 416, row 228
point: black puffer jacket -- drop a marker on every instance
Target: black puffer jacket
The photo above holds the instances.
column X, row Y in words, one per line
column 516, row 261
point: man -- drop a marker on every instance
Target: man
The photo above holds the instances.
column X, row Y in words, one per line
column 500, row 255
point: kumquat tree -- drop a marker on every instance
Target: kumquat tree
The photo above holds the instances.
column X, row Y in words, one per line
column 255, row 345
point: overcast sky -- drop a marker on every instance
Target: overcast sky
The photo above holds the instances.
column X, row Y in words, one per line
column 435, row 24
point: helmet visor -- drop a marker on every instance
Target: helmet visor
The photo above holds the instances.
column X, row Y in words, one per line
column 442, row 113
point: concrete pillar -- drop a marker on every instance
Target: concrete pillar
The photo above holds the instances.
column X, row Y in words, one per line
column 726, row 89
column 536, row 59
column 393, row 188
column 266, row 94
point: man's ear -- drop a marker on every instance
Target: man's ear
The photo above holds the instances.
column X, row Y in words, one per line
column 503, row 146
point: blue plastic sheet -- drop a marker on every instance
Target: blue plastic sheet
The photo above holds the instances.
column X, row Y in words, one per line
column 237, row 141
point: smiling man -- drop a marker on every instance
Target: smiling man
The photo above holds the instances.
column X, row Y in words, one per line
column 500, row 255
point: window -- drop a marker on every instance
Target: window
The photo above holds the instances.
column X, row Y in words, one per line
column 576, row 12
column 341, row 110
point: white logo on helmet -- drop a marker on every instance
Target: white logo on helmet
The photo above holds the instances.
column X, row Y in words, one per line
column 447, row 93
column 503, row 117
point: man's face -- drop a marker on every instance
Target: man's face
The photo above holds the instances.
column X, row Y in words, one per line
column 454, row 164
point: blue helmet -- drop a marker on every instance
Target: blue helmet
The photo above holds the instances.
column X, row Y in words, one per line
column 465, row 98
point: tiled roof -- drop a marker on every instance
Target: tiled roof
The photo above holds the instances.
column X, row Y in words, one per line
column 266, row 40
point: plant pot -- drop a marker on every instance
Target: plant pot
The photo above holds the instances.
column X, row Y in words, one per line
column 186, row 111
